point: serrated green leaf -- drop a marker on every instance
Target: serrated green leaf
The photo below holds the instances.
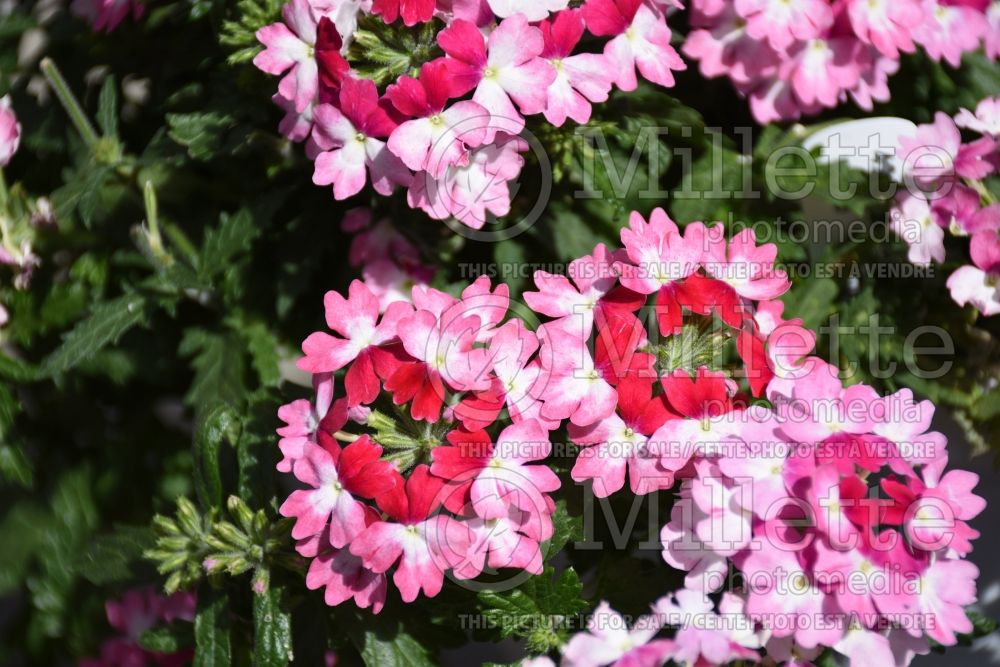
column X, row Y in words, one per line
column 212, row 640
column 105, row 324
column 168, row 639
column 390, row 646
column 111, row 558
column 201, row 133
column 219, row 367
column 234, row 234
column 263, row 347
column 272, row 643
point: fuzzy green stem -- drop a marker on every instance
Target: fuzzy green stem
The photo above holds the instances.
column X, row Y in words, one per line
column 344, row 436
column 70, row 103
column 152, row 217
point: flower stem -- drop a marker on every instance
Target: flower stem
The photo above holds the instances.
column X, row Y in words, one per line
column 70, row 103
column 344, row 436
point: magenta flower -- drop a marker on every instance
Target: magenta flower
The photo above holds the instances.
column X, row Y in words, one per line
column 502, row 67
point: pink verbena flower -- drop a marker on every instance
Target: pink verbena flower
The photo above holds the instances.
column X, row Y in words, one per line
column 621, row 441
column 640, row 39
column 290, row 48
column 338, row 477
column 610, row 640
column 423, row 544
column 503, row 68
column 782, row 23
column 986, row 119
column 705, row 636
column 949, row 30
column 350, row 138
column 580, row 79
column 10, row 132
column 106, row 15
column 886, row 24
column 436, row 138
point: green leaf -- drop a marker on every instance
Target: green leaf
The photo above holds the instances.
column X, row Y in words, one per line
column 201, row 133
column 219, row 367
column 22, row 531
column 168, row 638
column 112, row 557
column 15, row 466
column 212, row 641
column 107, row 108
column 529, row 610
column 263, row 347
column 272, row 643
column 384, row 645
column 219, row 424
column 107, row 322
column 234, row 235
column 812, row 302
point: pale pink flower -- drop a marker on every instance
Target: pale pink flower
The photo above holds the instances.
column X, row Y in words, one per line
column 436, row 138
column 886, row 24
column 970, row 284
column 913, row 221
column 531, row 9
column 474, row 189
column 948, row 31
column 356, row 319
column 986, row 119
column 331, row 506
column 610, row 640
column 423, row 543
column 574, row 388
column 723, row 47
column 580, row 79
column 782, row 22
column 289, row 48
column 576, row 297
column 10, row 131
column 640, row 39
column 746, row 267
column 707, row 637
column 991, row 42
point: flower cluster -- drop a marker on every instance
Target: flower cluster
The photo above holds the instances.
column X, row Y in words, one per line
column 795, row 58
column 137, row 611
column 944, row 191
column 441, row 113
column 428, row 489
column 672, row 367
column 832, row 503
